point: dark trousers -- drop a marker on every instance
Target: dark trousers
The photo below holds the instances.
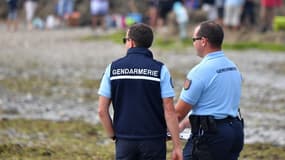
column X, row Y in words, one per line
column 226, row 144
column 153, row 149
column 248, row 14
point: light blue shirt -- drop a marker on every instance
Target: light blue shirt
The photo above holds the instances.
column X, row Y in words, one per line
column 234, row 2
column 215, row 87
column 165, row 83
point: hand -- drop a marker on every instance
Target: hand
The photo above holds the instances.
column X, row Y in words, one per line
column 177, row 154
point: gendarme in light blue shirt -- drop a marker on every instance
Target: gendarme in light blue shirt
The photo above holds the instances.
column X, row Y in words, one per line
column 165, row 84
column 215, row 87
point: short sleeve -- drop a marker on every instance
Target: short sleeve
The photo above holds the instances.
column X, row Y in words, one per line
column 105, row 85
column 166, row 83
column 193, row 89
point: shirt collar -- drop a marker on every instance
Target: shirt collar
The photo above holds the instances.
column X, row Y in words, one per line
column 141, row 51
column 214, row 55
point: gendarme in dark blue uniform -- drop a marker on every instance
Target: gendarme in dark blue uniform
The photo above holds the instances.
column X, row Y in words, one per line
column 137, row 72
column 140, row 89
column 136, row 85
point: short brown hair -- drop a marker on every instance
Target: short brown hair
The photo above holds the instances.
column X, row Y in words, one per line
column 141, row 34
column 213, row 32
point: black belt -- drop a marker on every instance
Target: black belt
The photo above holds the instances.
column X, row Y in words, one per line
column 226, row 120
column 208, row 123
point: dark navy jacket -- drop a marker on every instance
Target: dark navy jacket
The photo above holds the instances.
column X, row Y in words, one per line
column 136, row 96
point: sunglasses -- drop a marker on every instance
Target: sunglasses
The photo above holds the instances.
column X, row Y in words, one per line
column 125, row 40
column 196, row 38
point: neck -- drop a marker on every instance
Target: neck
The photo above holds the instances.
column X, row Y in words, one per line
column 210, row 50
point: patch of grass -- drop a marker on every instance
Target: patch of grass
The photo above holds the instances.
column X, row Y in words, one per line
column 76, row 140
column 171, row 43
column 254, row 45
column 90, row 83
column 279, row 68
column 263, row 152
column 40, row 140
column 39, row 85
column 177, row 74
column 32, row 84
column 92, row 86
column 114, row 37
column 159, row 42
column 176, row 44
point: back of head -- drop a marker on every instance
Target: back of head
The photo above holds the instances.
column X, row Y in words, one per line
column 213, row 32
column 142, row 35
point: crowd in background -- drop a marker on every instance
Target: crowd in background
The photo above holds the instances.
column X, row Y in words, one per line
column 232, row 14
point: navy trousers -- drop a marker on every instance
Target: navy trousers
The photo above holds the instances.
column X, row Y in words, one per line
column 226, row 144
column 153, row 149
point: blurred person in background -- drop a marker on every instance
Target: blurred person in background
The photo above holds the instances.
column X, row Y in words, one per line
column 165, row 7
column 192, row 4
column 210, row 8
column 12, row 19
column 133, row 16
column 248, row 17
column 267, row 13
column 99, row 9
column 182, row 19
column 64, row 9
column 152, row 12
column 30, row 9
column 220, row 10
column 232, row 14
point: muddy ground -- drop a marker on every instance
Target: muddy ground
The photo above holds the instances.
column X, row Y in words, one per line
column 46, row 74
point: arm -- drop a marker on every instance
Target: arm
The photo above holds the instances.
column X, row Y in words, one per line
column 182, row 109
column 172, row 125
column 104, row 115
column 185, row 123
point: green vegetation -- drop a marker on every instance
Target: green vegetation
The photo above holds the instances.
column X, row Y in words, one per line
column 263, row 152
column 115, row 37
column 255, row 45
column 75, row 140
column 32, row 84
column 176, row 44
column 46, row 140
column 40, row 85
